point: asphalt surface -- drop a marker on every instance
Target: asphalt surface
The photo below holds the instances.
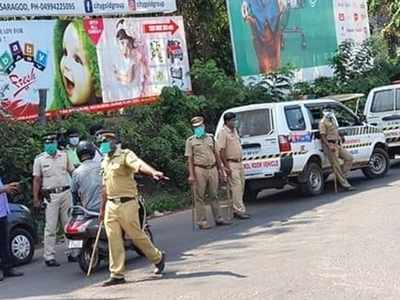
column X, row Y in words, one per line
column 336, row 246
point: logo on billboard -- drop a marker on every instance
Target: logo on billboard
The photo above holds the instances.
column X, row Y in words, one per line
column 88, row 6
column 9, row 59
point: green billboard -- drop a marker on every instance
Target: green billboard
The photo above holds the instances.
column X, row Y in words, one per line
column 268, row 34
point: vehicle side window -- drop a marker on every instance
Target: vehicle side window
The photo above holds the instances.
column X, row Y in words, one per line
column 383, row 101
column 344, row 117
column 397, row 99
column 315, row 114
column 254, row 122
column 295, row 118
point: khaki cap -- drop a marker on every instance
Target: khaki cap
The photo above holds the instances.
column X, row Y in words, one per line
column 197, row 121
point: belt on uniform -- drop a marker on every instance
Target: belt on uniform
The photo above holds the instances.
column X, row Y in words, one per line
column 333, row 142
column 206, row 167
column 234, row 160
column 57, row 190
column 121, row 200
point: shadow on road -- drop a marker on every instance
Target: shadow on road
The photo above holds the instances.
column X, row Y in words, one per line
column 275, row 213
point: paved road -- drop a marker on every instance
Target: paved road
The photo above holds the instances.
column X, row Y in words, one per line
column 336, row 246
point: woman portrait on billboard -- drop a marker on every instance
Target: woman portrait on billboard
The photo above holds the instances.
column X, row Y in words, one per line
column 132, row 68
column 77, row 80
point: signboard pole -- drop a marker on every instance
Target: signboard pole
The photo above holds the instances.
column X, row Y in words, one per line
column 42, row 106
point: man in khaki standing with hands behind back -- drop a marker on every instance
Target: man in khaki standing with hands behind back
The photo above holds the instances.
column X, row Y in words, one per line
column 230, row 151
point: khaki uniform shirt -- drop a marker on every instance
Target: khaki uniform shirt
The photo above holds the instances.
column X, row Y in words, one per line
column 329, row 129
column 229, row 142
column 54, row 170
column 202, row 150
column 118, row 173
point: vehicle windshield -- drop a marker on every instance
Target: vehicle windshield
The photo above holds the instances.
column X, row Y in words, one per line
column 254, row 122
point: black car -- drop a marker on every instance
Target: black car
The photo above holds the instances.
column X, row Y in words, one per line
column 22, row 234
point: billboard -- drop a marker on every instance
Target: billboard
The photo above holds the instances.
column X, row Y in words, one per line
column 267, row 34
column 23, row 8
column 91, row 64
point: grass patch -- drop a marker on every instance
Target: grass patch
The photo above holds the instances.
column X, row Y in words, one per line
column 165, row 201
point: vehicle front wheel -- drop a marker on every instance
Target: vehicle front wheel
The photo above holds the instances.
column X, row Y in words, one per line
column 314, row 180
column 21, row 246
column 378, row 164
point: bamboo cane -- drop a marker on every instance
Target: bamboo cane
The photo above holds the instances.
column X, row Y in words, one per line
column 94, row 249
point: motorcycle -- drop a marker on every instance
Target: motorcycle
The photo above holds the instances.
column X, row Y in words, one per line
column 81, row 231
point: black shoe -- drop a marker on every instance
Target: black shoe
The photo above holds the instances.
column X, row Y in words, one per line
column 349, row 188
column 241, row 216
column 52, row 263
column 222, row 223
column 12, row 273
column 113, row 281
column 161, row 265
column 72, row 259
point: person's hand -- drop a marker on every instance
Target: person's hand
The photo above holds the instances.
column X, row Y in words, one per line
column 191, row 180
column 228, row 171
column 223, row 176
column 332, row 147
column 157, row 175
column 101, row 216
column 11, row 187
column 37, row 204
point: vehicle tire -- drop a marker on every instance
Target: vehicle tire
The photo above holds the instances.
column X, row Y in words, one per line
column 21, row 246
column 314, row 180
column 378, row 164
column 149, row 235
column 250, row 195
column 85, row 256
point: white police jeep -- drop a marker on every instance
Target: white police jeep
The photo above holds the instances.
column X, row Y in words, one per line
column 281, row 144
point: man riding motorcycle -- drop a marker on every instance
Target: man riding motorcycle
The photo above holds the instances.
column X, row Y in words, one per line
column 86, row 179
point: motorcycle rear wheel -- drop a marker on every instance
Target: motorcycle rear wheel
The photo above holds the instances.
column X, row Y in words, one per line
column 85, row 255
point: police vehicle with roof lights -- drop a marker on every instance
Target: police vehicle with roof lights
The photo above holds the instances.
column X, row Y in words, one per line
column 281, row 144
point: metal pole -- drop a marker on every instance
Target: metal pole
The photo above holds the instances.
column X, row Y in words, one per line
column 42, row 106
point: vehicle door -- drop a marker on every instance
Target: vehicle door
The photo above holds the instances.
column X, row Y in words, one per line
column 259, row 142
column 300, row 135
column 358, row 135
column 384, row 112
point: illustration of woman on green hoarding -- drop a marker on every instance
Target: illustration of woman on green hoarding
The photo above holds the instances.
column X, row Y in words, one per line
column 77, row 79
column 264, row 19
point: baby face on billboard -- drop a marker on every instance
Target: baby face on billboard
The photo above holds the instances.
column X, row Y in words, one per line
column 74, row 68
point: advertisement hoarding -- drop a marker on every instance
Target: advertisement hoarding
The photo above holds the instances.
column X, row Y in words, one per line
column 304, row 33
column 23, row 8
column 91, row 64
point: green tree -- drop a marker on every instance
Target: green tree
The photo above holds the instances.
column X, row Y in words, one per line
column 207, row 31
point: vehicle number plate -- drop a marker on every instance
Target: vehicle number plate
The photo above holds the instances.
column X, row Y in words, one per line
column 75, row 244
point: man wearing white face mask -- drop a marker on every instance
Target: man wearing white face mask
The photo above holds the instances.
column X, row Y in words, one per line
column 332, row 146
column 73, row 139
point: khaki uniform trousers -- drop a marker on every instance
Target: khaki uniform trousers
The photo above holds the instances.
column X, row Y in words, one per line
column 206, row 184
column 339, row 170
column 125, row 216
column 236, row 186
column 56, row 210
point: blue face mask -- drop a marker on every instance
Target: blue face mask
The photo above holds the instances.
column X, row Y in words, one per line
column 105, row 147
column 50, row 149
column 199, row 132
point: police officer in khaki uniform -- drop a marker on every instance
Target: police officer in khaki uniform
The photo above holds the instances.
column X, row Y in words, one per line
column 51, row 185
column 203, row 166
column 120, row 207
column 230, row 151
column 332, row 147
